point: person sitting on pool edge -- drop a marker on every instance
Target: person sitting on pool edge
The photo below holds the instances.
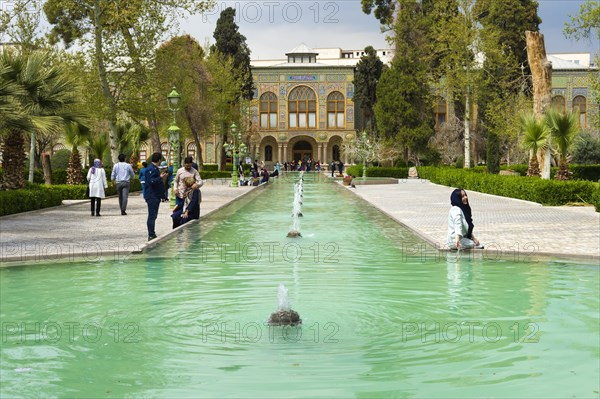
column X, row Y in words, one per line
column 190, row 208
column 460, row 223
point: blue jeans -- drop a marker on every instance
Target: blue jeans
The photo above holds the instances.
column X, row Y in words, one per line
column 153, row 205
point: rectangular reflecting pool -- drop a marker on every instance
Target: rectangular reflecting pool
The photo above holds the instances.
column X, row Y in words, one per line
column 383, row 315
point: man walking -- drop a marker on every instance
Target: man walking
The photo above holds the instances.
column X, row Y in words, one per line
column 122, row 174
column 187, row 170
column 154, row 192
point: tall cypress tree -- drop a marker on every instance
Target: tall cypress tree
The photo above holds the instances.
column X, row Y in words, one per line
column 231, row 43
column 368, row 72
column 404, row 108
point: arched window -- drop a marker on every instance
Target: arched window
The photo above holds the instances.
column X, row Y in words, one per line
column 559, row 103
column 441, row 110
column 268, row 111
column 164, row 147
column 335, row 110
column 302, row 108
column 268, row 153
column 143, row 152
column 191, row 151
column 579, row 109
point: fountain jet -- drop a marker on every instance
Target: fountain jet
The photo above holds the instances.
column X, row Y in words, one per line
column 284, row 315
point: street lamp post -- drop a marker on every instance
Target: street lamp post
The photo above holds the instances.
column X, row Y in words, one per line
column 235, row 148
column 174, row 131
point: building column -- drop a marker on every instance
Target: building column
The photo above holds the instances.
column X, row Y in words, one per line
column 285, row 154
column 280, row 152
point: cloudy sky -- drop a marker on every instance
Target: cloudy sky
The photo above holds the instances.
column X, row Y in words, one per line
column 274, row 27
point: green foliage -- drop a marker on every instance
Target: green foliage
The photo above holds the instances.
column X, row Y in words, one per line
column 586, row 149
column 60, row 159
column 403, row 111
column 596, row 197
column 215, row 174
column 41, row 196
column 368, row 72
column 546, row 192
column 375, row 171
column 493, row 153
column 229, row 42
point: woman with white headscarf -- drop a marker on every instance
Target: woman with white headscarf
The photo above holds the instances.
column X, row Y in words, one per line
column 97, row 184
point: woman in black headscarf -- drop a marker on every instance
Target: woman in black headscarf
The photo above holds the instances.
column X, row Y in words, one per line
column 460, row 222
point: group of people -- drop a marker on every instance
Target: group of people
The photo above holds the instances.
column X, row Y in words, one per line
column 301, row 165
column 154, row 178
column 121, row 176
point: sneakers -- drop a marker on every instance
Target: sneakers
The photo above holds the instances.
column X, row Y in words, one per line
column 152, row 237
column 479, row 246
column 124, row 213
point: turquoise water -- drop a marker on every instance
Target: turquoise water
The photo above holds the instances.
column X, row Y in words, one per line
column 383, row 316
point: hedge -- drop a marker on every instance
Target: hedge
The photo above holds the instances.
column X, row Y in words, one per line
column 580, row 172
column 375, row 171
column 543, row 191
column 42, row 196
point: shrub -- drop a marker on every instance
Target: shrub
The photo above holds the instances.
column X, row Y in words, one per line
column 547, row 192
column 586, row 150
column 60, row 159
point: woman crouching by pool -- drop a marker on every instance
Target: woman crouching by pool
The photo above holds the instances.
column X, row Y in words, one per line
column 460, row 222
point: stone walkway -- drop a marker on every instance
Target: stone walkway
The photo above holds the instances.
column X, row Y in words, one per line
column 507, row 227
column 70, row 232
column 510, row 228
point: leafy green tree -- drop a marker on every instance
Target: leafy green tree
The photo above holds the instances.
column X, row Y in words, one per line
column 224, row 95
column 191, row 77
column 535, row 138
column 563, row 129
column 383, row 10
column 44, row 94
column 403, row 111
column 368, row 72
column 122, row 36
column 76, row 136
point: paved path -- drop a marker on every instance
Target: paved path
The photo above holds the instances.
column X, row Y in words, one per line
column 514, row 228
column 69, row 231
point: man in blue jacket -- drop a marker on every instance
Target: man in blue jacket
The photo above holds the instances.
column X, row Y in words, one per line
column 154, row 192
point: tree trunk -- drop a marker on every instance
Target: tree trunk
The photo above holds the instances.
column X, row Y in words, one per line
column 31, row 157
column 47, row 168
column 108, row 96
column 467, row 163
column 140, row 76
column 13, row 161
column 541, row 74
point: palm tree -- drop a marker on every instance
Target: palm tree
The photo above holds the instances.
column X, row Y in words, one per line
column 45, row 95
column 99, row 145
column 563, row 128
column 535, row 138
column 136, row 135
column 75, row 135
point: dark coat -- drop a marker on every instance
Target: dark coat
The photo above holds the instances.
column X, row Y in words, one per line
column 155, row 187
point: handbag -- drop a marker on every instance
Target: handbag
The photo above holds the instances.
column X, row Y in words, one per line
column 87, row 191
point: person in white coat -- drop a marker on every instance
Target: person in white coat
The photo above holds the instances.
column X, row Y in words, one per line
column 460, row 223
column 97, row 184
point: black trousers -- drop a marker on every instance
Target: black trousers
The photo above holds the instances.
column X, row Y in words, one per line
column 97, row 201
